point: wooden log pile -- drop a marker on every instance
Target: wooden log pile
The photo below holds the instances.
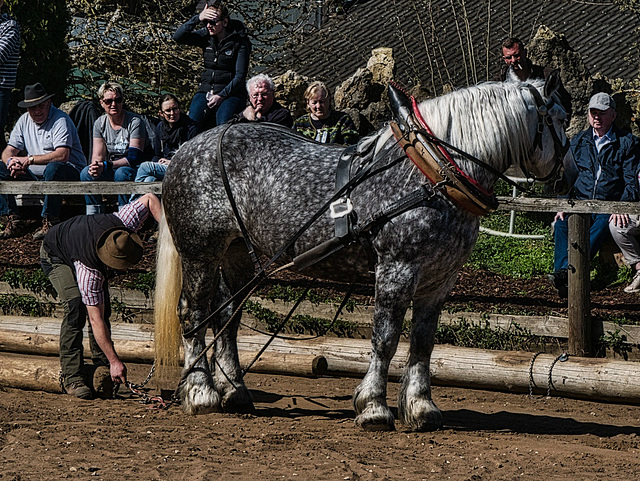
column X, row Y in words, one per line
column 594, row 379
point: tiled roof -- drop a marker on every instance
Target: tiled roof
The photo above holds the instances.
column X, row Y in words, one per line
column 457, row 41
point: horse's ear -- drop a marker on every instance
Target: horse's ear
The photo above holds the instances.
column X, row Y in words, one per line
column 552, row 83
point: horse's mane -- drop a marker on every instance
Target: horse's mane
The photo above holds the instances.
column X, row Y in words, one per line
column 488, row 121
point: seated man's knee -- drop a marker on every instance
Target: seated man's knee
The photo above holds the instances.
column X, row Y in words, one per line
column 85, row 175
column 124, row 174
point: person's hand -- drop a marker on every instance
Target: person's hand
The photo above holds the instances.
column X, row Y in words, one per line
column 208, row 13
column 559, row 216
column 214, row 100
column 164, row 161
column 619, row 220
column 95, row 169
column 118, row 372
column 249, row 113
column 18, row 165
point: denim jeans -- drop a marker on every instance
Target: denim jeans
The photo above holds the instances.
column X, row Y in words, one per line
column 149, row 172
column 63, row 279
column 52, row 203
column 207, row 118
column 598, row 233
column 94, row 203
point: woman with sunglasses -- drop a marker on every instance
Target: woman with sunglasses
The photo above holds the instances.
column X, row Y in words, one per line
column 226, row 50
column 119, row 137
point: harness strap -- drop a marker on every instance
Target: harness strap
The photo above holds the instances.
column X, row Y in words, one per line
column 234, row 206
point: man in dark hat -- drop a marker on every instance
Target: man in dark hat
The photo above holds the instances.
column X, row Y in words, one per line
column 44, row 145
column 76, row 255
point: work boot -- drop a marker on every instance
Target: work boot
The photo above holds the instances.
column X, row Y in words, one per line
column 102, row 382
column 47, row 223
column 78, row 389
column 635, row 284
column 560, row 280
column 13, row 228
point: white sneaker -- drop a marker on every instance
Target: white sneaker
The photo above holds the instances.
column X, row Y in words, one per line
column 635, row 284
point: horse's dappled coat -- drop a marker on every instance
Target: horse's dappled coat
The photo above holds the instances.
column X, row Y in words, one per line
column 279, row 180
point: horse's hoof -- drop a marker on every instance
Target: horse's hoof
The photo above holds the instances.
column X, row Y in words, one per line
column 197, row 399
column 238, row 401
column 421, row 416
column 376, row 419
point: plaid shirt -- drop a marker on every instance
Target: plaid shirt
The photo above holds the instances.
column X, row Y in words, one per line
column 91, row 281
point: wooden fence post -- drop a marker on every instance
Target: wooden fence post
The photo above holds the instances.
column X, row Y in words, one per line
column 579, row 289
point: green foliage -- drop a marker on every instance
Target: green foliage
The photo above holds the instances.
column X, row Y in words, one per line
column 44, row 55
column 300, row 323
column 145, row 282
column 512, row 256
column 35, row 281
column 615, row 341
column 11, row 304
column 289, row 293
column 465, row 334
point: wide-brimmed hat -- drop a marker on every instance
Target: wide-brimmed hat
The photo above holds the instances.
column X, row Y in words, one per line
column 119, row 248
column 34, row 95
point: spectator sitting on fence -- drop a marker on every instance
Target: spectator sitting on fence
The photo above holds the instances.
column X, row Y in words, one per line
column 518, row 66
column 172, row 131
column 322, row 123
column 76, row 256
column 44, row 145
column 226, row 49
column 605, row 166
column 263, row 106
column 626, row 232
column 119, row 138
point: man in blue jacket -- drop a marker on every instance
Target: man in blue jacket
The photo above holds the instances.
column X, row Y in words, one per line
column 605, row 166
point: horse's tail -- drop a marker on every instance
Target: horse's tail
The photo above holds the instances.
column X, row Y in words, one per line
column 168, row 335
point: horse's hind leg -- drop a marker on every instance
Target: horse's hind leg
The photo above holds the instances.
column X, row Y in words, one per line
column 236, row 273
column 200, row 280
column 415, row 406
column 394, row 287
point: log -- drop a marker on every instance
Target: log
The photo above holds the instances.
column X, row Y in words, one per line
column 593, row 379
column 31, row 373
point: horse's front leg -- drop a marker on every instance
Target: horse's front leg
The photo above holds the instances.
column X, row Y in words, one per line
column 196, row 389
column 415, row 406
column 394, row 288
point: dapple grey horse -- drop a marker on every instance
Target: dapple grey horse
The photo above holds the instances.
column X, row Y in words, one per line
column 279, row 180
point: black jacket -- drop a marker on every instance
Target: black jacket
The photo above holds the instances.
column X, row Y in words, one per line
column 226, row 63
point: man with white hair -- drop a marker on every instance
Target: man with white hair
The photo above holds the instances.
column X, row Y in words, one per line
column 605, row 167
column 262, row 104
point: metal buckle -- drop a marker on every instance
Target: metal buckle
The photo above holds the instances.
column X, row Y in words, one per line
column 340, row 208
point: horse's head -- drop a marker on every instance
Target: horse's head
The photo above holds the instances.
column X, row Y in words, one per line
column 550, row 145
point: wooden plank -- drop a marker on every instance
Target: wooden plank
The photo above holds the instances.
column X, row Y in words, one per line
column 79, row 188
column 521, row 204
column 538, row 204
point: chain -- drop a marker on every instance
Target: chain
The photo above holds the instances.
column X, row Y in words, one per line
column 562, row 358
column 532, row 383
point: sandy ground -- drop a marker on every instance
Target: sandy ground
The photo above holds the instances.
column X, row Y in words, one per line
column 303, row 429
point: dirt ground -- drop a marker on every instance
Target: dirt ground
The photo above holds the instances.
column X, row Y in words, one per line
column 304, row 429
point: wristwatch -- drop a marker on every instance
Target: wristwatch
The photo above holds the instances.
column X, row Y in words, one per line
column 31, row 160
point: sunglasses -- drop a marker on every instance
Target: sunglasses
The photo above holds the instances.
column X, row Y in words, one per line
column 117, row 100
column 213, row 23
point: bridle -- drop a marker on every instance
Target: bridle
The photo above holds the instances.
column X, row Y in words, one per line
column 560, row 149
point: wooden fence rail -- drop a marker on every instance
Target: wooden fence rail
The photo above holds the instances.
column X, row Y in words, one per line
column 579, row 298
